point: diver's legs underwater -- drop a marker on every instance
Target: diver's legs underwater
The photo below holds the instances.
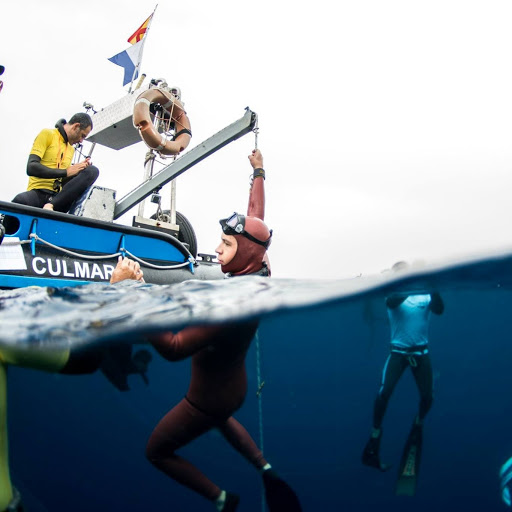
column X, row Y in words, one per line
column 393, row 369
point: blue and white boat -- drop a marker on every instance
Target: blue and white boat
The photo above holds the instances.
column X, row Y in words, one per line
column 46, row 248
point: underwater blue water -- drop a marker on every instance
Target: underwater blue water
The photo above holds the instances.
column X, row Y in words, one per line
column 77, row 443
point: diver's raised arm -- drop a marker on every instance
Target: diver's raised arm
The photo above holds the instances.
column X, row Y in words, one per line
column 256, row 207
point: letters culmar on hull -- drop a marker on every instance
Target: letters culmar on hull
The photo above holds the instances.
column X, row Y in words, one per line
column 56, row 267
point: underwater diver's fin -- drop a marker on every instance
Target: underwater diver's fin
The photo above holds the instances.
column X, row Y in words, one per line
column 410, row 463
column 15, row 505
column 371, row 455
column 279, row 495
column 118, row 363
column 115, row 365
column 140, row 363
column 231, row 503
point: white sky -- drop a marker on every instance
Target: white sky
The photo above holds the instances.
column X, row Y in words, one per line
column 386, row 126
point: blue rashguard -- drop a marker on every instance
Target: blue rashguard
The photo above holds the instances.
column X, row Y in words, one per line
column 409, row 325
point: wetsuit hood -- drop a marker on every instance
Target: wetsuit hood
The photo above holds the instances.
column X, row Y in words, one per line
column 264, row 271
column 249, row 255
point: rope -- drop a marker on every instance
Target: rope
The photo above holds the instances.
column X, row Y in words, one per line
column 260, row 388
column 167, row 129
column 168, row 123
column 108, row 256
column 260, row 406
column 160, row 267
column 78, row 255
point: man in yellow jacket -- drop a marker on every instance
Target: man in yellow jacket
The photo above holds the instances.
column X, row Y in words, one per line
column 54, row 182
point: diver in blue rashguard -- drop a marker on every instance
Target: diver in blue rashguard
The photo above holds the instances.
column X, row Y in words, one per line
column 409, row 319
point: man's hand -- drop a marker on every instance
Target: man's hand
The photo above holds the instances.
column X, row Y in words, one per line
column 256, row 159
column 126, row 269
column 74, row 169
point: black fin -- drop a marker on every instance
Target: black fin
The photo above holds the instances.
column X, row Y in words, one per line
column 410, row 463
column 231, row 503
column 140, row 363
column 371, row 454
column 116, row 365
column 279, row 495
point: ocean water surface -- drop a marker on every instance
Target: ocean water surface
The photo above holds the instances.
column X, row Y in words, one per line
column 78, row 444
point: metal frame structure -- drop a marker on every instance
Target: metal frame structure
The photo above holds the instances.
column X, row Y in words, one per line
column 244, row 125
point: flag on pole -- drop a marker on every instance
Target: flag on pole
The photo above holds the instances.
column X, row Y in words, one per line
column 140, row 32
column 131, row 58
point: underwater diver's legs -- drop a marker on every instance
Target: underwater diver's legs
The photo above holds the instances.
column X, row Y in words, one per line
column 393, row 369
column 71, row 361
column 83, row 360
column 73, row 188
column 181, row 425
column 238, row 437
column 279, row 495
column 80, row 360
column 391, row 373
column 411, row 457
column 423, row 376
column 37, row 358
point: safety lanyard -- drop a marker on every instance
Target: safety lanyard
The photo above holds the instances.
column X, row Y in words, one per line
column 61, row 156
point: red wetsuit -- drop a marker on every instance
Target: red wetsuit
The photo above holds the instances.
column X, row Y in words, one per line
column 217, row 389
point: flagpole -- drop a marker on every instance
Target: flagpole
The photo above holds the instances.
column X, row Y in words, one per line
column 137, row 67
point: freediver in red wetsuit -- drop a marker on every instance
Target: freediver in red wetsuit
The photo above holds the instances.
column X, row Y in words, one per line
column 218, row 380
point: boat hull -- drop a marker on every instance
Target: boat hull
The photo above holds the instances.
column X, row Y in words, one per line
column 46, row 248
